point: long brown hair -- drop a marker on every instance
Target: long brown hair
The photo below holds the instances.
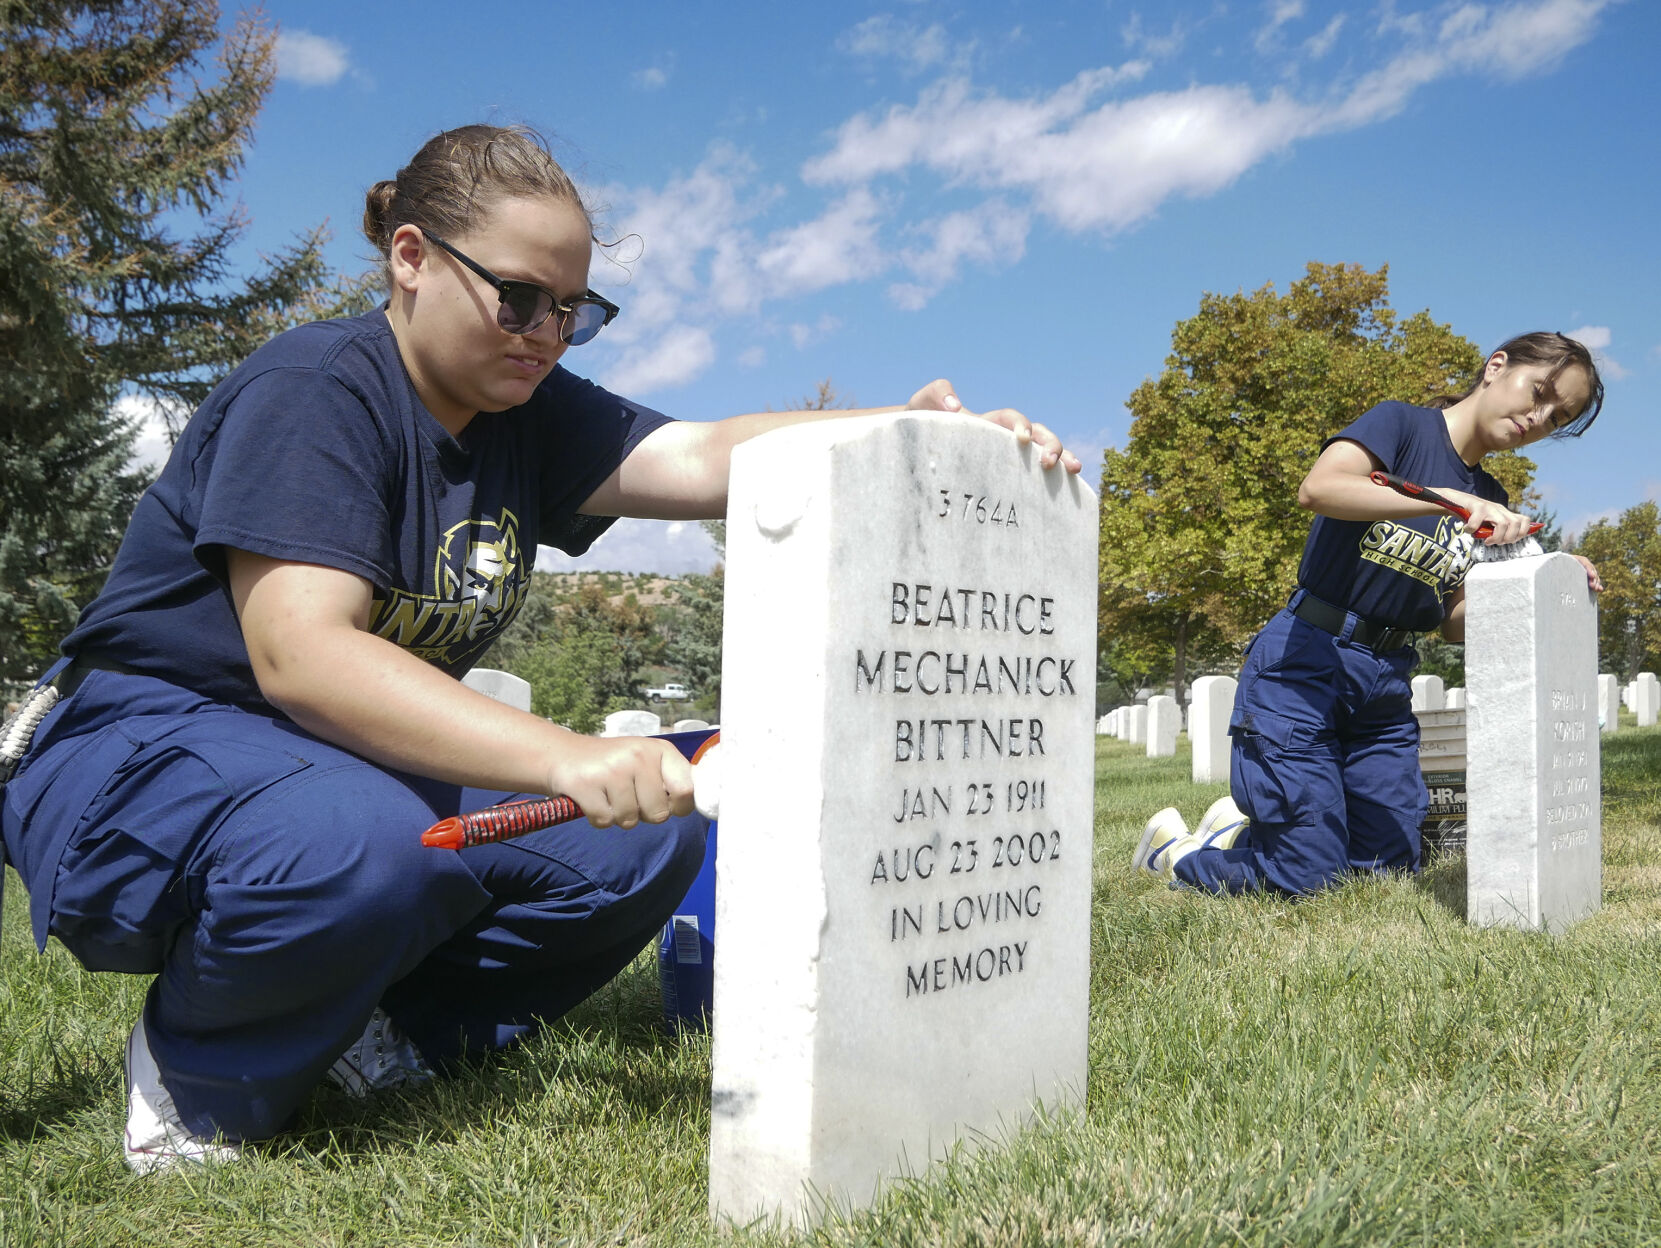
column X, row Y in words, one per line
column 1556, row 351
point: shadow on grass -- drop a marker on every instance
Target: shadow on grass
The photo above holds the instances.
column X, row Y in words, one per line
column 51, row 1097
column 1443, row 878
column 609, row 1057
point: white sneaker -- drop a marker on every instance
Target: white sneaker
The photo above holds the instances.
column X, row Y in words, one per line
column 1222, row 825
column 1165, row 842
column 155, row 1138
column 383, row 1057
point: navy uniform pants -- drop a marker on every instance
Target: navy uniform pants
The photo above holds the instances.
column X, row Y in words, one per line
column 1325, row 764
column 278, row 889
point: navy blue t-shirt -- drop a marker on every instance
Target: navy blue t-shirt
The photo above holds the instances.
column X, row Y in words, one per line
column 316, row 449
column 1398, row 571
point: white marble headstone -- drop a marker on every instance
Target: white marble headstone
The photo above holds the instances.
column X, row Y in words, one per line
column 1454, row 699
column 1646, row 699
column 1609, row 702
column 1208, row 717
column 1164, row 723
column 1427, row 693
column 502, row 686
column 690, row 725
column 1534, row 846
column 903, row 887
column 1138, row 716
column 632, row 724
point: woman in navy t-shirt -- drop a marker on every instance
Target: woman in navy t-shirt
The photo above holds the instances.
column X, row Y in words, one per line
column 1324, row 777
column 261, row 712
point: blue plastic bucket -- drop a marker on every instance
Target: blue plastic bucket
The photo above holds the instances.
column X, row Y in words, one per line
column 686, row 950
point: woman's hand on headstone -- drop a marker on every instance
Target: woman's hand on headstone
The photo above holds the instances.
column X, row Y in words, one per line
column 940, row 396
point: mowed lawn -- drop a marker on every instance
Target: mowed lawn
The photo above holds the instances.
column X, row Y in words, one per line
column 1361, row 1068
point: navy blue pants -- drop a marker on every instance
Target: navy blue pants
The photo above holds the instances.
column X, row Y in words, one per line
column 278, row 889
column 1325, row 764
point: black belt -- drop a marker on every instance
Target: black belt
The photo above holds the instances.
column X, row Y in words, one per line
column 1373, row 634
column 82, row 666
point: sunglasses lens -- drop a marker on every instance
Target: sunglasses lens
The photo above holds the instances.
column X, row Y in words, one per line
column 583, row 322
column 523, row 308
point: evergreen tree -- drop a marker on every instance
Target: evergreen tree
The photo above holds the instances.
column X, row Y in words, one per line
column 111, row 143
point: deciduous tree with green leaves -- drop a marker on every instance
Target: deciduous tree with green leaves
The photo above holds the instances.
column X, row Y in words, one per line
column 1627, row 552
column 1201, row 533
column 116, row 160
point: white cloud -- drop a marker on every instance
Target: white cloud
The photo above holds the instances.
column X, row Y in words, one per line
column 1148, row 44
column 884, row 36
column 752, row 357
column 653, row 78
column 838, row 246
column 824, row 327
column 154, row 443
column 311, row 60
column 1267, row 38
column 955, row 130
column 1508, row 41
column 993, row 234
column 1596, row 339
column 672, row 358
column 672, row 549
column 1105, row 168
column 1319, row 44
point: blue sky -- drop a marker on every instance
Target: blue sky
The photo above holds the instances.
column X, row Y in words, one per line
column 1022, row 197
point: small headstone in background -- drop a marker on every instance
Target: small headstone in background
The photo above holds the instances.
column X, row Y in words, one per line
column 1454, row 699
column 632, row 724
column 1534, row 845
column 1442, row 760
column 1104, row 725
column 504, row 687
column 1208, row 718
column 1629, row 692
column 1427, row 693
column 905, row 861
column 1164, row 723
column 1138, row 725
column 1122, row 723
column 689, row 725
column 1609, row 702
column 1646, row 699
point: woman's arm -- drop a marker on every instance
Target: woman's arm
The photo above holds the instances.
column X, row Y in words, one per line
column 1339, row 486
column 680, row 471
column 1453, row 617
column 305, row 627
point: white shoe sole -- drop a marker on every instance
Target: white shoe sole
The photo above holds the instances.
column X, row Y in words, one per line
column 1221, row 825
column 1164, row 827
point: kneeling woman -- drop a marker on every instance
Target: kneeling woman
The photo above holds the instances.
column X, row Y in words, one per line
column 1325, row 769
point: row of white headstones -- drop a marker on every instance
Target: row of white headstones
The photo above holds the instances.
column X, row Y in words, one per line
column 1160, row 721
column 904, row 874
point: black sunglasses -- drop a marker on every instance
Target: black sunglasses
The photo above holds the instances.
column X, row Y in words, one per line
column 525, row 305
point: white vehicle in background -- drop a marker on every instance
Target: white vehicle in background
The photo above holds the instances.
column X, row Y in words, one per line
column 669, row 693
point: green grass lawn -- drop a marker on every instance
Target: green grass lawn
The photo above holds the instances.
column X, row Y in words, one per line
column 1361, row 1068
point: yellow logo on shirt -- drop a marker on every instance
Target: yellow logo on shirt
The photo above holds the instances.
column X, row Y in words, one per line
column 1440, row 559
column 480, row 580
